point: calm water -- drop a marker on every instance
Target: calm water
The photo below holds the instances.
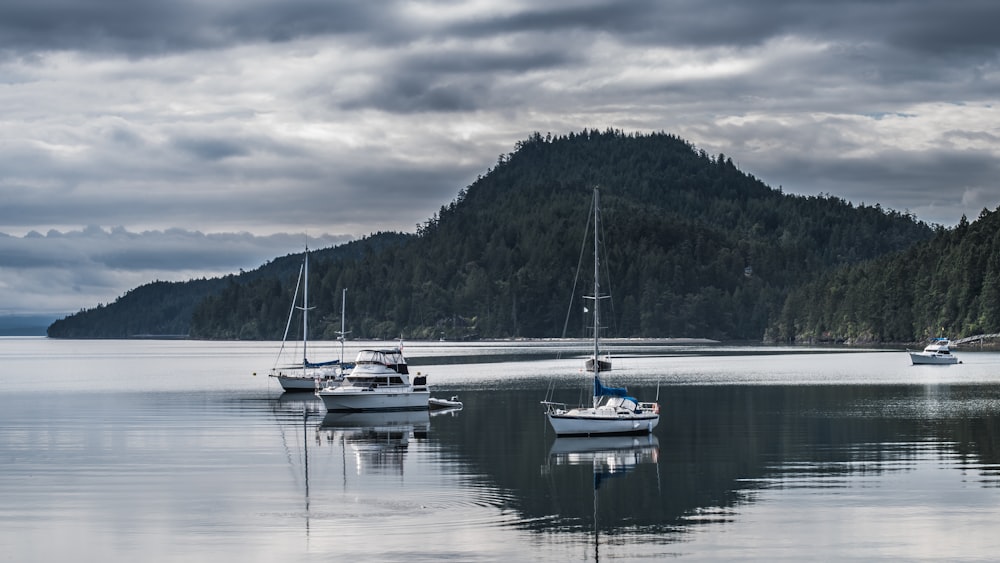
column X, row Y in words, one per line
column 175, row 451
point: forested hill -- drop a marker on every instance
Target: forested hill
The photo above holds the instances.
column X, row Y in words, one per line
column 695, row 247
column 948, row 286
column 162, row 308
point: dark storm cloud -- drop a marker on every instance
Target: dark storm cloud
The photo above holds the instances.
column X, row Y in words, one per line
column 210, row 149
column 150, row 26
column 415, row 93
column 147, row 27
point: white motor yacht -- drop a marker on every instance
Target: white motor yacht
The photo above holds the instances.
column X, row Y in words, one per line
column 380, row 380
column 937, row 352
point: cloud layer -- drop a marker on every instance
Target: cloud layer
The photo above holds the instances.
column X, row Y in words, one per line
column 62, row 272
column 301, row 116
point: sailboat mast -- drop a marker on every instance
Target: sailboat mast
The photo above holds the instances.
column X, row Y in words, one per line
column 597, row 297
column 597, row 285
column 305, row 312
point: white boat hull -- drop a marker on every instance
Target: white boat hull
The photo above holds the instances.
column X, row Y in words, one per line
column 921, row 358
column 355, row 399
column 305, row 383
column 293, row 383
column 588, row 422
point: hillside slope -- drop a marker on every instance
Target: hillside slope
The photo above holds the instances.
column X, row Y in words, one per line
column 166, row 308
column 695, row 247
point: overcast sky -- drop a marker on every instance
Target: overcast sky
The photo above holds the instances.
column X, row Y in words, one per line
column 144, row 140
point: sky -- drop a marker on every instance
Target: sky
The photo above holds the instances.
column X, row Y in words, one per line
column 146, row 140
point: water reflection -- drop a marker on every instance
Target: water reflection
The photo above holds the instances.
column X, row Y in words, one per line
column 722, row 447
column 605, row 457
column 724, row 452
column 378, row 441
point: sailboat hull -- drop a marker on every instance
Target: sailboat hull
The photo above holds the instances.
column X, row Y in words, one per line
column 591, row 422
column 296, row 383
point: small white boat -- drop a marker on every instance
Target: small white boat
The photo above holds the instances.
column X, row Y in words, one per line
column 305, row 376
column 452, row 403
column 616, row 416
column 380, row 380
column 613, row 411
column 938, row 352
column 603, row 364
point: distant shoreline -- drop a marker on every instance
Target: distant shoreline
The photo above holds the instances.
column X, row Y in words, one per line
column 608, row 343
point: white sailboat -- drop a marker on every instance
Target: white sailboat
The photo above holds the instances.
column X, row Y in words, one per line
column 613, row 411
column 304, row 376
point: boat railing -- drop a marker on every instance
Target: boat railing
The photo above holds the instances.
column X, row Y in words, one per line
column 551, row 406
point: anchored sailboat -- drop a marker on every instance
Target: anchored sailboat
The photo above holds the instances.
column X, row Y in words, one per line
column 613, row 411
column 304, row 376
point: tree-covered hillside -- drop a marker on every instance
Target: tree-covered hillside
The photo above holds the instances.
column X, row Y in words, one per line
column 948, row 286
column 166, row 308
column 695, row 247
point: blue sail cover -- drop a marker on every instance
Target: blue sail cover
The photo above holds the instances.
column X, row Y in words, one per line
column 321, row 364
column 602, row 391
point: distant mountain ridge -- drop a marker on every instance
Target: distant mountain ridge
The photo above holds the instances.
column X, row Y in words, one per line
column 695, row 248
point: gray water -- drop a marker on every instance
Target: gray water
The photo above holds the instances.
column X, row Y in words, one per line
column 176, row 451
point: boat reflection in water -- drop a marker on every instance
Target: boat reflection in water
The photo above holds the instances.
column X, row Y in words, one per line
column 608, row 456
column 378, row 440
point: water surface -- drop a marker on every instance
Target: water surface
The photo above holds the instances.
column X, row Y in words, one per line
column 176, row 451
